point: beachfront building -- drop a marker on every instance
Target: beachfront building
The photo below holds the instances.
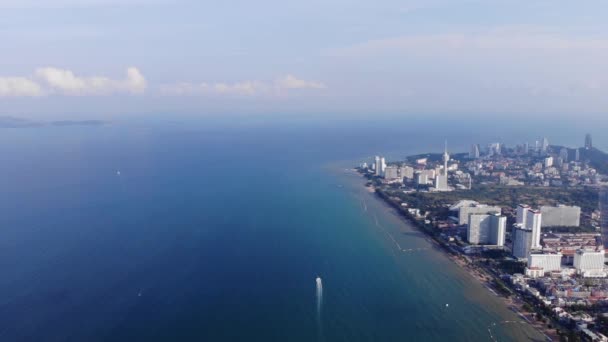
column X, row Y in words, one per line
column 391, row 173
column 466, row 208
column 560, row 216
column 487, row 229
column 379, row 165
column 547, row 262
column 522, row 242
column 589, row 263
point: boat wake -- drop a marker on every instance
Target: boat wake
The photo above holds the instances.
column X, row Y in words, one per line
column 319, row 306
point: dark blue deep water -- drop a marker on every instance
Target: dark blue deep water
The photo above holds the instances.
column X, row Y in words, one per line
column 215, row 230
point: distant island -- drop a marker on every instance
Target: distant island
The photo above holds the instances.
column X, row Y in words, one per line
column 524, row 220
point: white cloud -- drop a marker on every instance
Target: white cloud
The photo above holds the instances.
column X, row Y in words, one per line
column 291, row 82
column 47, row 81
column 66, row 82
column 19, row 86
column 244, row 88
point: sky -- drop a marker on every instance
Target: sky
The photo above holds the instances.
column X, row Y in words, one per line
column 448, row 57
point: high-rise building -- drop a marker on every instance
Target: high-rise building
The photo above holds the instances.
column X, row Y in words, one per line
column 561, row 216
column 548, row 161
column 533, row 222
column 422, row 179
column 474, row 152
column 379, row 165
column 589, row 263
column 391, row 172
column 545, row 145
column 406, row 172
column 522, row 242
column 522, row 211
column 563, row 153
column 475, row 208
column 499, row 229
column 526, row 148
column 487, row 229
column 441, row 180
column 588, row 142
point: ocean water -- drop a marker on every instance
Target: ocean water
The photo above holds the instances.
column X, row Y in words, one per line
column 215, row 230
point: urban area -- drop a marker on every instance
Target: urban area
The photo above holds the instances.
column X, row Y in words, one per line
column 527, row 220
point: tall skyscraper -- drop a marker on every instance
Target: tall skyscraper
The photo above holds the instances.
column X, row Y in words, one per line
column 522, row 241
column 545, row 145
column 474, row 153
column 487, row 229
column 577, row 154
column 533, row 222
column 441, row 180
column 588, row 142
column 522, row 211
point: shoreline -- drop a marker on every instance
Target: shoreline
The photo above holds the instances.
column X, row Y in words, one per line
column 482, row 275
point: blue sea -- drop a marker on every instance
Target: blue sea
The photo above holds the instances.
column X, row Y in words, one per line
column 165, row 228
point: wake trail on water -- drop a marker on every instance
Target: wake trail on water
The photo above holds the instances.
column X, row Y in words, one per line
column 319, row 306
column 388, row 233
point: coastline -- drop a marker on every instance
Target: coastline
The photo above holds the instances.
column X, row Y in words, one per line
column 481, row 275
column 510, row 310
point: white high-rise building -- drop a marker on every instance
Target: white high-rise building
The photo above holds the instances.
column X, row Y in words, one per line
column 406, row 172
column 548, row 262
column 391, row 172
column 475, row 208
column 589, row 263
column 522, row 211
column 498, row 233
column 545, row 145
column 441, row 180
column 487, row 229
column 422, row 179
column 533, row 222
column 380, row 165
column 548, row 161
column 522, row 242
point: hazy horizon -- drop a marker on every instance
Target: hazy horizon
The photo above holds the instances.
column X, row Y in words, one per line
column 93, row 58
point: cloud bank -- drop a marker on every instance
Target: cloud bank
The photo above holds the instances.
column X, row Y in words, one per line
column 279, row 86
column 48, row 81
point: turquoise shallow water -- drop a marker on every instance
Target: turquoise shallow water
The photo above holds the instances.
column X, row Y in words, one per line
column 217, row 233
